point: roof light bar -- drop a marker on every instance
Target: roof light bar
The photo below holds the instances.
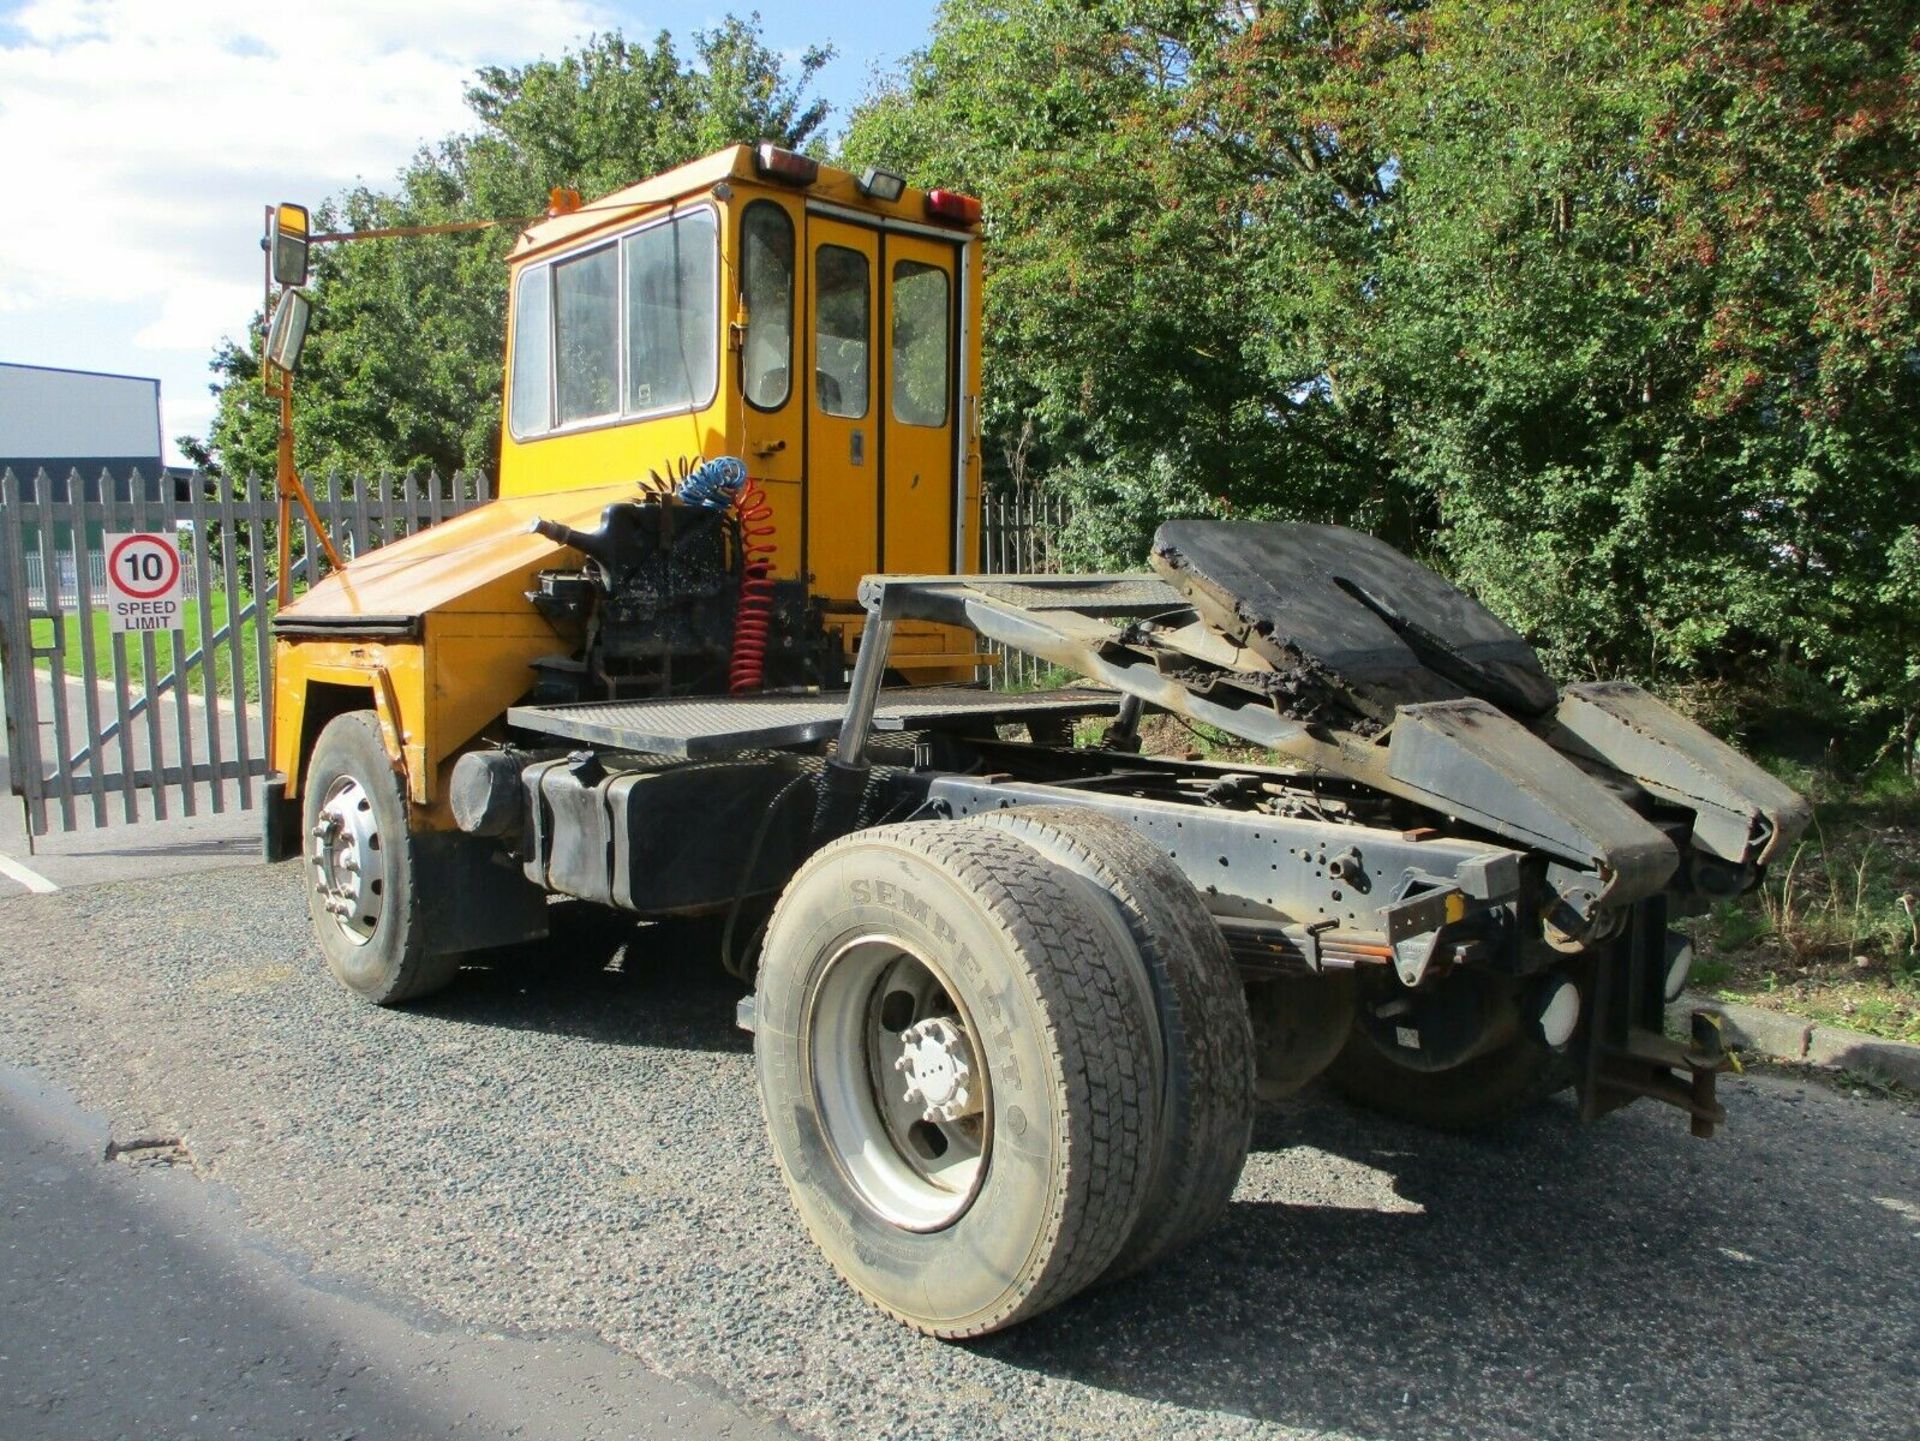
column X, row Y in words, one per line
column 951, row 205
column 785, row 166
column 878, row 184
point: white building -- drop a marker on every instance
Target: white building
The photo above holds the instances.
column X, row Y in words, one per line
column 62, row 421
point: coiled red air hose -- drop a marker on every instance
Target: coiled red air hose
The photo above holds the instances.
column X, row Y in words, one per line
column 753, row 617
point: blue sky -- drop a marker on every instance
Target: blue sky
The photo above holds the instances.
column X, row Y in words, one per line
column 130, row 219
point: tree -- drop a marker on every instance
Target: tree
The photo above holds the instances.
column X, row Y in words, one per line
column 402, row 371
column 1607, row 311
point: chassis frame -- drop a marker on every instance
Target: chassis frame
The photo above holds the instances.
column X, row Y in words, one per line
column 1310, row 894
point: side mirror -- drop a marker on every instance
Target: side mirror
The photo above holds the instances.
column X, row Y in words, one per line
column 288, row 333
column 290, row 231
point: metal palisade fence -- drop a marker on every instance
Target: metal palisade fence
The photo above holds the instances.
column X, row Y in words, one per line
column 1021, row 536
column 105, row 728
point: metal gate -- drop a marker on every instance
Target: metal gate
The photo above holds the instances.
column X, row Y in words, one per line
column 1020, row 535
column 115, row 728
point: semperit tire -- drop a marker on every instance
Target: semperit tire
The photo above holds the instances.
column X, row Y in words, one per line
column 1476, row 1095
column 1206, row 1033
column 360, row 861
column 969, row 948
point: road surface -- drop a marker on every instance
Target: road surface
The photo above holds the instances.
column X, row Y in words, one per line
column 568, row 1145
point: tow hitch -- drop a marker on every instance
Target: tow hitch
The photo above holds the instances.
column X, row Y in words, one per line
column 1656, row 1066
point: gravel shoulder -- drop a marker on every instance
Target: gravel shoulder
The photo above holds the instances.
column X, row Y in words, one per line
column 569, row 1145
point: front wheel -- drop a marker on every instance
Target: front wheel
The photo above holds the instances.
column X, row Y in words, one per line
column 363, row 875
column 958, row 1074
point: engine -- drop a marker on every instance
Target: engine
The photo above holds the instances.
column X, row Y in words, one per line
column 671, row 597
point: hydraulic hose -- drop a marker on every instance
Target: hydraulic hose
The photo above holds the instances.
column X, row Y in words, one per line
column 717, row 484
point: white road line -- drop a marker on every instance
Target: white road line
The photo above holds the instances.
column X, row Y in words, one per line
column 31, row 879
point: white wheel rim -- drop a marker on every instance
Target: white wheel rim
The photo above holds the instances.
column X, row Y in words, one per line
column 900, row 1086
column 346, row 856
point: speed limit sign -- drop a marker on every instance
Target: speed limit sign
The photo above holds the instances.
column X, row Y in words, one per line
column 143, row 582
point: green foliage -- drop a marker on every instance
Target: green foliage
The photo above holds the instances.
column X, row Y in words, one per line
column 402, row 371
column 1834, row 931
column 1608, row 310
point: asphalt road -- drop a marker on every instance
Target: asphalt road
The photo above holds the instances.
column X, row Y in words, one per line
column 139, row 1305
column 569, row 1146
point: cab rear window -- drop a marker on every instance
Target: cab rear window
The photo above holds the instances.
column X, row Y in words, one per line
column 843, row 310
column 921, row 343
column 766, row 279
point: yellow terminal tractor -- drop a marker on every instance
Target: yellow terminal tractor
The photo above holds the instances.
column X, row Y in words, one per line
column 1014, row 985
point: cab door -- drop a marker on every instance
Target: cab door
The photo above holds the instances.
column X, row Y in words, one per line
column 919, row 498
column 843, row 382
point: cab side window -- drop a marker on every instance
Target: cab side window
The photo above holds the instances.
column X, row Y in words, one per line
column 533, row 353
column 673, row 314
column 766, row 283
column 587, row 336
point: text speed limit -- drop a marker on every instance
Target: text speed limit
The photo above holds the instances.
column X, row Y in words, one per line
column 143, row 582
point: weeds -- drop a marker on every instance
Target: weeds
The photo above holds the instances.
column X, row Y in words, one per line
column 1833, row 933
column 1840, row 897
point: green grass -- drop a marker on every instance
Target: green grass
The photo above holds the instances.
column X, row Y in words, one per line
column 164, row 646
column 1834, row 932
column 1049, row 678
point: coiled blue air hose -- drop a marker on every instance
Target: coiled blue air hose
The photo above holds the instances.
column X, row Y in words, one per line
column 713, row 483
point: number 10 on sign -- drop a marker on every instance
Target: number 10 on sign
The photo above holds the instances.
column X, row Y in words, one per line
column 143, row 582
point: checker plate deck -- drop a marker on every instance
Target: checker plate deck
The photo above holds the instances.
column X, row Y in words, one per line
column 703, row 727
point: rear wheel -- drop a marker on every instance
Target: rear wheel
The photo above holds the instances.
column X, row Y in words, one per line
column 1392, row 1061
column 1206, row 1035
column 363, row 875
column 957, row 1074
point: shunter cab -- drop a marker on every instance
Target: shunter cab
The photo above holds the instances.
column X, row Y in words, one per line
column 821, row 327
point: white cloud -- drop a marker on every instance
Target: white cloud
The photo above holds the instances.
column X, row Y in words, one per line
column 140, row 139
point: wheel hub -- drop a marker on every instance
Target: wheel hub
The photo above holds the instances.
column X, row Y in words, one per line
column 938, row 1064
column 345, row 855
column 904, row 1097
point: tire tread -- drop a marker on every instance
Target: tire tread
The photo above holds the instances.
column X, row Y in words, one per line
column 1207, row 1118
column 1096, row 1035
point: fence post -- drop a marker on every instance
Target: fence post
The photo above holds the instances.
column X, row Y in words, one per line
column 16, row 654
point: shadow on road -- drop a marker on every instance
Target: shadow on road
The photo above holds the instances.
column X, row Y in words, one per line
column 247, row 846
column 605, row 977
column 1378, row 1280
column 1508, row 1284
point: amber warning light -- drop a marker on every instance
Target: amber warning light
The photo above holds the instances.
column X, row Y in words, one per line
column 785, row 166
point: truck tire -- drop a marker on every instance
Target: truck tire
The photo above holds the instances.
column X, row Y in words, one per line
column 957, row 1074
column 361, row 862
column 1205, row 1030
column 1473, row 1096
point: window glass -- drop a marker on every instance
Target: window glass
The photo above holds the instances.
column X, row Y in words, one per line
column 920, row 320
column 587, row 337
column 532, row 353
column 766, row 280
column 843, row 304
column 673, row 314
